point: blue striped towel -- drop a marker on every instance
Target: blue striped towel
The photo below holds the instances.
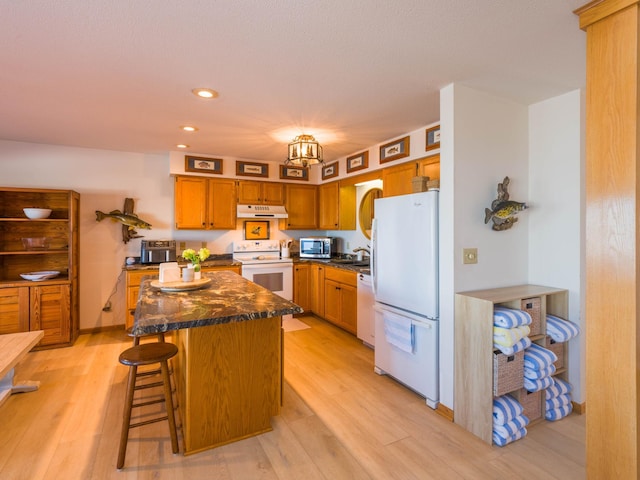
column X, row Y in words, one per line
column 535, row 385
column 510, row 428
column 558, row 413
column 537, row 357
column 505, row 409
column 510, row 317
column 535, row 374
column 501, row 442
column 559, row 387
column 561, row 330
column 522, row 344
column 558, row 402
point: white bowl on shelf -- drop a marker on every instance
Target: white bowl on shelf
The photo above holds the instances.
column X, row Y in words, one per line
column 37, row 213
column 39, row 276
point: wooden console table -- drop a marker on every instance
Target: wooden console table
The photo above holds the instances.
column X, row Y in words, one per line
column 13, row 348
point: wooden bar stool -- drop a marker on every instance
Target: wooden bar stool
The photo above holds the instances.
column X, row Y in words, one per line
column 139, row 355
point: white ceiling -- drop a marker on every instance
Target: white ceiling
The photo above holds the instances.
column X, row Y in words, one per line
column 118, row 75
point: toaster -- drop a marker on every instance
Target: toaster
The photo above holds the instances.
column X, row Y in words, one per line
column 158, row 251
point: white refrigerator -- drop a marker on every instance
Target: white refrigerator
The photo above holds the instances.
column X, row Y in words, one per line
column 404, row 268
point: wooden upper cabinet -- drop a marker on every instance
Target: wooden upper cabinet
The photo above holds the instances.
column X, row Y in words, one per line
column 337, row 206
column 301, row 202
column 205, row 203
column 397, row 180
column 260, row 193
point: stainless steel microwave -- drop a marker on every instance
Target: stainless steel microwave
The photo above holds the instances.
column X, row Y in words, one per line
column 318, row 247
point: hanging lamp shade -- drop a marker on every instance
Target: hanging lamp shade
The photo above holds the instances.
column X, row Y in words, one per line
column 304, row 151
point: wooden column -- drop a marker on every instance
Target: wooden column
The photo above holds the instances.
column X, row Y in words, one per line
column 612, row 240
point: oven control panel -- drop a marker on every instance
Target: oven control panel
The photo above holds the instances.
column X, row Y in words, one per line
column 257, row 246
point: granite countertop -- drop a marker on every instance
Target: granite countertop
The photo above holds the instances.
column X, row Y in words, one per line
column 213, row 261
column 354, row 267
column 228, row 298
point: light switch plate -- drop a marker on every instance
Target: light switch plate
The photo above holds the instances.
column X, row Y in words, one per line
column 469, row 255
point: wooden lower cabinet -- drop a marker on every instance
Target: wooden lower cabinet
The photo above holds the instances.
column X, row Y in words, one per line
column 133, row 278
column 42, row 307
column 301, row 286
column 341, row 298
column 316, row 289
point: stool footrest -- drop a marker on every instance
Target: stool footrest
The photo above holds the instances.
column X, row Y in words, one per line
column 149, row 385
column 147, row 422
column 148, row 402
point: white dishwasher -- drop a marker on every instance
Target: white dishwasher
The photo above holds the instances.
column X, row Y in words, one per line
column 366, row 316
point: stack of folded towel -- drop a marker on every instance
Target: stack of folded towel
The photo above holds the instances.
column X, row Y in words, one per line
column 509, row 423
column 538, row 368
column 510, row 330
column 561, row 330
column 558, row 400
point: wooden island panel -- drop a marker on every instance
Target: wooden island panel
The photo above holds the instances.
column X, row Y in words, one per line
column 229, row 381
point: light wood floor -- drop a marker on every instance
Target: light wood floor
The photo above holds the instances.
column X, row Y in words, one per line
column 339, row 421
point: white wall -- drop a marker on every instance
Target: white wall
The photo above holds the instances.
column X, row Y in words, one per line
column 484, row 138
column 556, row 221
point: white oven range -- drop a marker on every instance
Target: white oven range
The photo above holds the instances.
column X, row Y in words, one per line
column 261, row 264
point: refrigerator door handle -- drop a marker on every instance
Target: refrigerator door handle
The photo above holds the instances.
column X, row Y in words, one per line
column 374, row 252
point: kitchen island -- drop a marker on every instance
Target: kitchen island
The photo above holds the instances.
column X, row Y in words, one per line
column 228, row 370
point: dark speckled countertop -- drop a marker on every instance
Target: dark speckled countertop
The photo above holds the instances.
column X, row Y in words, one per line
column 228, row 298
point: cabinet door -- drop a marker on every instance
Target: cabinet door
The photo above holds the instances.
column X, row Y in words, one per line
column 232, row 268
column 332, row 302
column 316, row 287
column 328, row 199
column 397, row 180
column 348, row 312
column 302, row 206
column 222, row 204
column 14, row 310
column 50, row 312
column 430, row 167
column 249, row 192
column 190, row 198
column 272, row 193
column 301, row 295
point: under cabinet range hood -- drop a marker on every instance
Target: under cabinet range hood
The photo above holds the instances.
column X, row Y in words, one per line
column 262, row 211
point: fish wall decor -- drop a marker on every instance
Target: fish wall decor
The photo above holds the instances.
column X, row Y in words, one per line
column 503, row 210
column 129, row 220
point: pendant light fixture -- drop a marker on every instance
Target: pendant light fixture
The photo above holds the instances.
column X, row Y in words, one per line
column 304, row 151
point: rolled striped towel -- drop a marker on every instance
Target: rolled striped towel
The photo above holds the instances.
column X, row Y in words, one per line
column 505, row 409
column 508, row 337
column 510, row 317
column 501, row 442
column 561, row 330
column 537, row 357
column 535, row 385
column 558, row 402
column 510, row 428
column 522, row 344
column 559, row 387
column 535, row 374
column 558, row 413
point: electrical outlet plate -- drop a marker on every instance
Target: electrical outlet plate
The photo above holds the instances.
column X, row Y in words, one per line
column 469, row 255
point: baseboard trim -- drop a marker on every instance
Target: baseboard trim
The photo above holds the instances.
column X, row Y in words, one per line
column 579, row 408
column 108, row 328
column 445, row 412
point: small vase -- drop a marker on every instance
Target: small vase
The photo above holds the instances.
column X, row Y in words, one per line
column 197, row 275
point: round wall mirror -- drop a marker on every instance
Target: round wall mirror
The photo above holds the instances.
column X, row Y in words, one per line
column 365, row 211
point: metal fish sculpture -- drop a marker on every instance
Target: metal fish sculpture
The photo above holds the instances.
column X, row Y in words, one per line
column 129, row 219
column 504, row 210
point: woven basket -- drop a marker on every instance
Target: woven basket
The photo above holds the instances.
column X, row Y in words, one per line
column 558, row 349
column 508, row 372
column 531, row 403
column 419, row 184
column 532, row 307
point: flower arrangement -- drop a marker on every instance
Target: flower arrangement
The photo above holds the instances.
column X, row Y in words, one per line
column 195, row 258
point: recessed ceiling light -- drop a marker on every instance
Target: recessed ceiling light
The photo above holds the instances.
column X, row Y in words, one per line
column 182, row 145
column 188, row 128
column 205, row 93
